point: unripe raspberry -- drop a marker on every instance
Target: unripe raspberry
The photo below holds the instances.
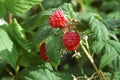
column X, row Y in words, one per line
column 43, row 52
column 57, row 19
column 71, row 40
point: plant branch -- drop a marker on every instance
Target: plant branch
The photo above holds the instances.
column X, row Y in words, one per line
column 91, row 60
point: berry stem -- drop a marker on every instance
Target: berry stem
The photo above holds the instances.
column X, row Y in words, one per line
column 9, row 18
column 91, row 60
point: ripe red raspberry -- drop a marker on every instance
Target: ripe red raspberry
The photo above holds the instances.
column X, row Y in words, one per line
column 43, row 52
column 57, row 19
column 71, row 40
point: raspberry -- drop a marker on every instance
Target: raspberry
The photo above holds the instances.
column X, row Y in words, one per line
column 43, row 52
column 57, row 19
column 71, row 40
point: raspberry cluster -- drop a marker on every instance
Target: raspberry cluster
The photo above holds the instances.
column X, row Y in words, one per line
column 70, row 39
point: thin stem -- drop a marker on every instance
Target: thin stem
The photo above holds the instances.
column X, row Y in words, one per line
column 91, row 60
column 81, row 5
column 42, row 7
column 10, row 18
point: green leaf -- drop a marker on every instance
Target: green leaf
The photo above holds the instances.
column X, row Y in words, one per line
column 100, row 34
column 53, row 47
column 40, row 72
column 97, row 46
column 87, row 16
column 16, row 33
column 43, row 33
column 2, row 8
column 115, row 15
column 68, row 10
column 40, row 19
column 110, row 54
column 5, row 41
column 116, row 75
column 10, row 57
column 99, row 30
column 20, row 6
column 33, row 58
column 112, row 24
column 24, row 61
column 115, row 66
column 116, row 45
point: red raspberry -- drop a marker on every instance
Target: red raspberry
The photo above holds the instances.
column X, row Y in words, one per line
column 43, row 52
column 57, row 19
column 71, row 40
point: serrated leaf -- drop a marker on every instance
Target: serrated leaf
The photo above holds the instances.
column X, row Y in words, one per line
column 53, row 47
column 40, row 72
column 5, row 41
column 116, row 45
column 10, row 57
column 97, row 46
column 16, row 33
column 68, row 10
column 110, row 54
column 99, row 30
column 20, row 6
column 116, row 64
column 100, row 34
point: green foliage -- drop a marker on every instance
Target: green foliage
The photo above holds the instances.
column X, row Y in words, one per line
column 17, row 35
column 5, row 41
column 10, row 57
column 27, row 26
column 44, row 33
column 39, row 72
column 110, row 54
column 53, row 49
column 68, row 10
column 17, row 7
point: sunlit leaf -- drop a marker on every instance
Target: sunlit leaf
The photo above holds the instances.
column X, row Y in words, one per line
column 5, row 41
column 20, row 6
